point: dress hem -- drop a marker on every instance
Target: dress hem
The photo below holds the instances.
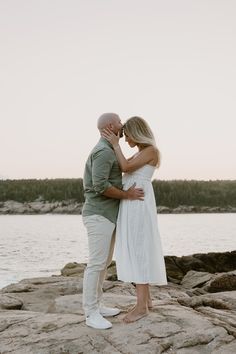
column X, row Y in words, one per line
column 144, row 282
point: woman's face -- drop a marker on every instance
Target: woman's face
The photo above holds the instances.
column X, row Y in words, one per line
column 129, row 141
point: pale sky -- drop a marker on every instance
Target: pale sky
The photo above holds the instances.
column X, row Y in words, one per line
column 65, row 62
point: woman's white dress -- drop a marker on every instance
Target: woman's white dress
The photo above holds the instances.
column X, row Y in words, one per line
column 138, row 250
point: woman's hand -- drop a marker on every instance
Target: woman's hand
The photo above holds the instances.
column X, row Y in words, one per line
column 111, row 137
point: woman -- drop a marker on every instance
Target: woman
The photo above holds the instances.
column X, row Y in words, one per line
column 139, row 257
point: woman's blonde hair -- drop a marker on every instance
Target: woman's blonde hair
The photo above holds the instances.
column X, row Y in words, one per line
column 139, row 131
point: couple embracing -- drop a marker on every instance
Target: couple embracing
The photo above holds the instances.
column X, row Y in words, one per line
column 121, row 212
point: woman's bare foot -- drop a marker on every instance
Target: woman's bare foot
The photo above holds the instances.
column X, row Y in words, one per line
column 135, row 315
column 150, row 306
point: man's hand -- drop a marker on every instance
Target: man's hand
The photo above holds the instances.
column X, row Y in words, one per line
column 135, row 193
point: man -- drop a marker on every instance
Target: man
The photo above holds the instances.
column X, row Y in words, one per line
column 103, row 191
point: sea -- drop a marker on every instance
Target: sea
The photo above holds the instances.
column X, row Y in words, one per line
column 40, row 245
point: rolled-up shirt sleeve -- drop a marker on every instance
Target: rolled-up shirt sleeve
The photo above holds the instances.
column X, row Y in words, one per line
column 101, row 168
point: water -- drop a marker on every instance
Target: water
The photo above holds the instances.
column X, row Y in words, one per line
column 40, row 245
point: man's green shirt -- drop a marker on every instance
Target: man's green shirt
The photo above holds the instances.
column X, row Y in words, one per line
column 101, row 172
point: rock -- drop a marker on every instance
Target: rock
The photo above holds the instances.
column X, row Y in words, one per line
column 68, row 208
column 73, row 303
column 210, row 282
column 184, row 209
column 39, row 206
column 163, row 210
column 46, row 208
column 214, row 209
column 222, row 282
column 174, row 272
column 36, row 206
column 195, row 291
column 194, row 279
column 169, row 328
column 221, row 318
column 73, row 269
column 18, row 288
column 38, row 293
column 184, row 318
column 8, row 302
column 12, row 207
column 111, row 272
column 71, row 206
column 212, row 262
column 224, row 300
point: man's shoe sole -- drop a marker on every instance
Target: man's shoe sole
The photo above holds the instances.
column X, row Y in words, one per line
column 109, row 314
column 92, row 326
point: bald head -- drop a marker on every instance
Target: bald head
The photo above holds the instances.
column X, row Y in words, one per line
column 107, row 118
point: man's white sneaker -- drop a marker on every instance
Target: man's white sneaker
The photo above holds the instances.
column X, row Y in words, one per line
column 96, row 320
column 109, row 311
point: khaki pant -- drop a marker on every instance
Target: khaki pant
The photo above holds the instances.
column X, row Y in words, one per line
column 101, row 240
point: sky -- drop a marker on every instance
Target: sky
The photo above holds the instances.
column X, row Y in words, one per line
column 65, row 62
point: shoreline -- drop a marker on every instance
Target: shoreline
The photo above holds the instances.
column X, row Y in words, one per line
column 70, row 207
column 176, row 266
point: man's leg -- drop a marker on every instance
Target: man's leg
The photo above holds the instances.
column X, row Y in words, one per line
column 103, row 273
column 100, row 231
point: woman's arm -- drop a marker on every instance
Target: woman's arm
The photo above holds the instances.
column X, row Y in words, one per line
column 142, row 158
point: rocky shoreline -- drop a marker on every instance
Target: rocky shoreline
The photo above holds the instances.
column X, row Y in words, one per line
column 73, row 207
column 194, row 313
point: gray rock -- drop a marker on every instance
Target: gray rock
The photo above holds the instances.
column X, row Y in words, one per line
column 40, row 206
column 9, row 302
column 222, row 282
column 51, row 320
column 38, row 293
column 163, row 210
column 170, row 328
column 72, row 269
column 212, row 262
column 194, row 279
column 224, row 300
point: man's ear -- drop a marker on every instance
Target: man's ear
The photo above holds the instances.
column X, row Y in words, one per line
column 111, row 126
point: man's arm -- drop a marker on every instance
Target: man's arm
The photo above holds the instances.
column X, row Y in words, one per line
column 102, row 163
column 101, row 167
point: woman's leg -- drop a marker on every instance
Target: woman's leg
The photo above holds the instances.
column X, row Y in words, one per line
column 149, row 299
column 141, row 308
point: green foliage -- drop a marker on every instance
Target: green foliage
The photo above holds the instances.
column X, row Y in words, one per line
column 167, row 193
column 197, row 193
column 28, row 190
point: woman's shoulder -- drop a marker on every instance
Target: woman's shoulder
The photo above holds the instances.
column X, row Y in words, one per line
column 150, row 149
column 153, row 154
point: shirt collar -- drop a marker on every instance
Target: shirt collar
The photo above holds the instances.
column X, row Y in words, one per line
column 105, row 142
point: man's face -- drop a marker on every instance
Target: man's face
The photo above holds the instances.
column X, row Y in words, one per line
column 116, row 125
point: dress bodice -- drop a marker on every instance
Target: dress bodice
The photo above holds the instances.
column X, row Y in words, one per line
column 143, row 173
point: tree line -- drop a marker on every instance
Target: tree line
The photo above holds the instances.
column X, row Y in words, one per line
column 171, row 194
